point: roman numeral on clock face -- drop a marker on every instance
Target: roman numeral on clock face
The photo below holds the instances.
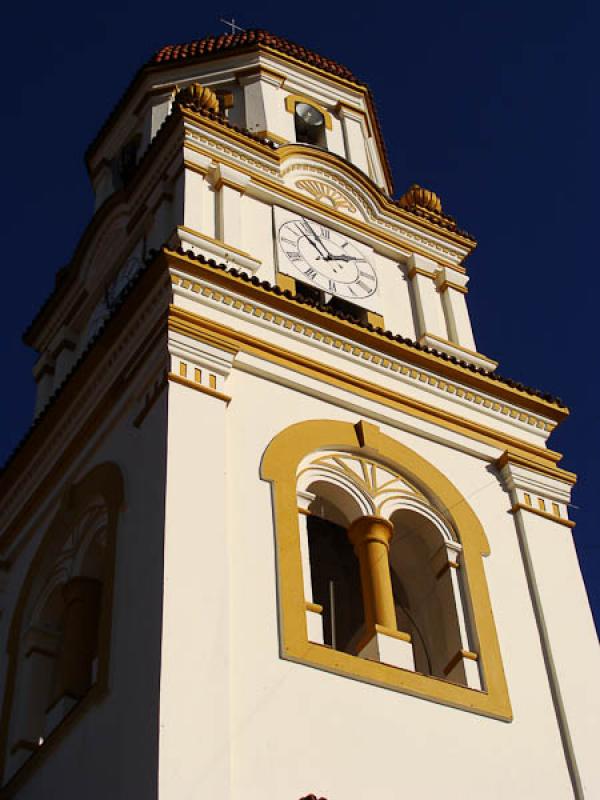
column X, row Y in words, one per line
column 311, row 273
column 294, row 256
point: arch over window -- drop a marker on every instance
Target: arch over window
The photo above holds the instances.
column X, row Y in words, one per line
column 350, row 501
column 58, row 643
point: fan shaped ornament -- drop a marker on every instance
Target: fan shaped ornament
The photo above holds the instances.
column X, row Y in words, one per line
column 326, row 194
column 199, row 97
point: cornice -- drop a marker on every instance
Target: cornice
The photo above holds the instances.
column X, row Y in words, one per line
column 47, row 435
column 384, row 342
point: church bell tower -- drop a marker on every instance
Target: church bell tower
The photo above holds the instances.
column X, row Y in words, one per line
column 278, row 529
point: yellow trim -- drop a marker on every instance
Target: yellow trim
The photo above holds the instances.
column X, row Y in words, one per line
column 223, row 245
column 316, row 607
column 279, row 466
column 450, row 285
column 568, row 523
column 205, row 330
column 359, row 88
column 457, row 658
column 522, row 459
column 381, row 344
column 395, row 634
column 419, row 271
column 286, row 151
column 286, row 282
column 198, row 387
column 292, row 99
column 376, row 320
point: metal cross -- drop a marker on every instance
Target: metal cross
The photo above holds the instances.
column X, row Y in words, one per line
column 232, row 25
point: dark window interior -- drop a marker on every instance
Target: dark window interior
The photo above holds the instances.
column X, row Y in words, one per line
column 335, row 583
column 335, row 303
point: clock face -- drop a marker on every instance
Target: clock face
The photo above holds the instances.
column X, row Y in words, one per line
column 327, row 259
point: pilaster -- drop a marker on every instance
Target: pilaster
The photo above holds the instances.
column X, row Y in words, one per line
column 195, row 672
column 565, row 625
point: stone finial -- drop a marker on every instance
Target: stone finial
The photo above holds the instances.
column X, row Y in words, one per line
column 417, row 196
column 198, row 97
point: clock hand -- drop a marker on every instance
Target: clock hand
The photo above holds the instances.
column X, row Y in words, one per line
column 329, row 257
column 317, row 238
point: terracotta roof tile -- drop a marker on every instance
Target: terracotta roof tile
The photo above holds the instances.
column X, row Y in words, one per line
column 209, row 45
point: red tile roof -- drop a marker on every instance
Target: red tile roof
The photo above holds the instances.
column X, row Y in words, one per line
column 211, row 45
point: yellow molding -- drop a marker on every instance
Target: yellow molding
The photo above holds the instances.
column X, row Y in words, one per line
column 293, row 99
column 568, row 523
column 376, row 320
column 206, row 330
column 286, row 282
column 316, row 607
column 284, row 152
column 382, row 345
column 394, row 634
column 521, row 459
column 279, row 467
column 199, row 387
column 419, row 271
column 457, row 346
column 357, row 87
column 450, row 285
column 457, row 658
column 229, row 247
column 447, row 566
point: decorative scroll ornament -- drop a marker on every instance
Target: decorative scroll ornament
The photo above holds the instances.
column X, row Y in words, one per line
column 424, row 198
column 326, row 194
column 198, row 97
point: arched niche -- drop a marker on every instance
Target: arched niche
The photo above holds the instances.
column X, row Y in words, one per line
column 73, row 564
column 289, row 464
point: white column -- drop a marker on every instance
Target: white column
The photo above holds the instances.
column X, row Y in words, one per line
column 565, row 624
column 230, row 185
column 194, row 200
column 453, row 289
column 43, row 373
column 428, row 306
column 62, row 350
column 264, row 103
column 354, row 137
column 314, row 612
column 194, row 715
column 463, row 658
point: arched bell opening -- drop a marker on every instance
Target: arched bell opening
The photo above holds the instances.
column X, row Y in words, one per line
column 427, row 596
column 334, row 570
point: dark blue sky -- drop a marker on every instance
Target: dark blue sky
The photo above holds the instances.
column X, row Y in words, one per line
column 489, row 104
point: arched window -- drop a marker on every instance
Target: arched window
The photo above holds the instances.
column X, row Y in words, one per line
column 344, row 499
column 57, row 650
column 380, row 569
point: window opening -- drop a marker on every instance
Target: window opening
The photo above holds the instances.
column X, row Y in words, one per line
column 335, row 583
column 310, row 125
